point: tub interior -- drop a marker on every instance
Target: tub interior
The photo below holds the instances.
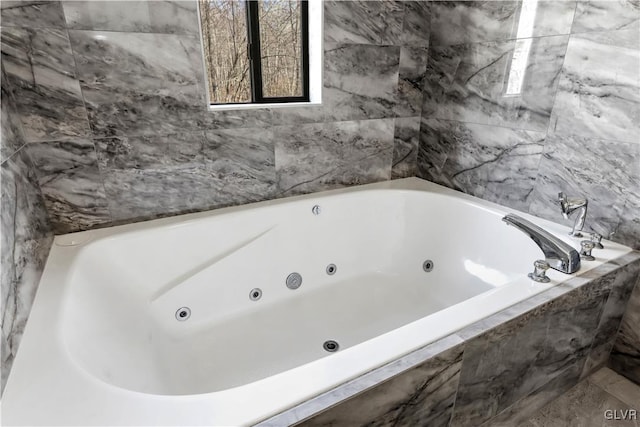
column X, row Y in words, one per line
column 119, row 319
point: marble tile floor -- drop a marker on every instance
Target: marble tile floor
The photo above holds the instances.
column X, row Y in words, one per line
column 604, row 399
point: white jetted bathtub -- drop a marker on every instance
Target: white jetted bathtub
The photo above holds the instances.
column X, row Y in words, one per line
column 189, row 320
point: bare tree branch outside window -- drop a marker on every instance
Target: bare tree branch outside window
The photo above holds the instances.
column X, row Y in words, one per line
column 224, row 33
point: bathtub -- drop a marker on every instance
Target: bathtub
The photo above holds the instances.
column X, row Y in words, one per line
column 231, row 316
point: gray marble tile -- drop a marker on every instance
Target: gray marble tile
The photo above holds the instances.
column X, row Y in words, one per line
column 416, row 29
column 457, row 22
column 26, row 239
column 598, row 357
column 188, row 172
column 40, row 67
column 606, row 15
column 518, row 357
column 468, row 82
column 140, row 84
column 618, row 386
column 628, row 232
column 423, row 395
column 32, row 14
column 149, row 152
column 297, row 115
column 317, row 157
column 231, row 119
column 495, row 163
column 625, row 356
column 599, row 90
column 71, row 184
column 363, row 22
column 11, row 136
column 413, row 64
column 519, row 413
column 405, row 147
column 621, row 283
column 168, row 17
column 353, row 88
column 584, row 405
column 596, row 169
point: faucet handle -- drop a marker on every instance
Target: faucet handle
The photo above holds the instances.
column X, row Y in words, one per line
column 596, row 239
column 585, row 250
column 539, row 274
column 564, row 204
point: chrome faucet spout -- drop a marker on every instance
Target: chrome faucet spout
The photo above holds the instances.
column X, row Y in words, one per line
column 568, row 205
column 560, row 255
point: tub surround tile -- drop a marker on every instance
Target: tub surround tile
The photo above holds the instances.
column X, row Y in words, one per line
column 413, row 64
column 598, row 94
column 71, row 184
column 405, row 147
column 403, row 370
column 468, row 82
column 363, row 22
column 495, row 163
column 625, row 356
column 457, row 22
column 297, row 115
column 11, row 136
column 417, row 24
column 607, row 15
column 263, row 117
column 139, row 84
column 355, row 90
column 516, row 358
column 317, row 157
column 519, row 413
column 168, row 17
column 33, row 14
column 26, row 239
column 40, row 67
column 188, row 171
column 593, row 168
column 423, row 395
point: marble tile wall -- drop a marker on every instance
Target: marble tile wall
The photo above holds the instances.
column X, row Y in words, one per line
column 574, row 126
column 495, row 372
column 112, row 102
column 25, row 230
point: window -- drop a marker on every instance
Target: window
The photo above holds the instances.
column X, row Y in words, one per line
column 256, row 51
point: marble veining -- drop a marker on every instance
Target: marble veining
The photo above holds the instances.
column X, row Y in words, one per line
column 363, row 22
column 468, row 82
column 457, row 22
column 169, row 17
column 40, row 66
column 416, row 29
column 26, row 239
column 71, row 184
column 599, row 97
column 606, row 15
column 11, row 136
column 352, row 88
column 139, row 84
column 598, row 169
column 413, row 64
column 618, row 386
column 405, row 147
column 187, row 171
column 316, row 157
column 33, row 14
column 625, row 356
column 495, row 163
column 516, row 358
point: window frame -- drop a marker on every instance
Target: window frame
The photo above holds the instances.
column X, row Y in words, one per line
column 255, row 61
